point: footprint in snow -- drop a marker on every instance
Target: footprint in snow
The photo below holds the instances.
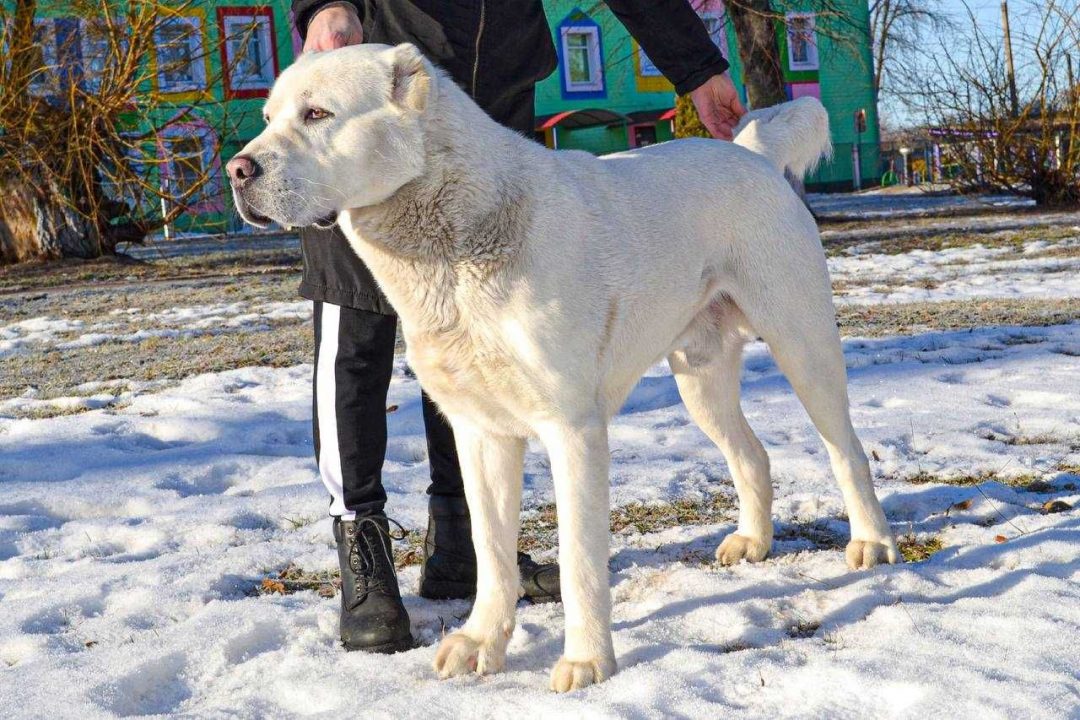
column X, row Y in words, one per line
column 154, row 687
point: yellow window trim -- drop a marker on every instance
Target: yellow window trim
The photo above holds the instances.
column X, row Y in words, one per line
column 187, row 96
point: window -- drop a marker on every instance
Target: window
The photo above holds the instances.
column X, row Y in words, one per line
column 582, row 60
column 580, row 64
column 191, row 163
column 181, row 60
column 248, row 52
column 45, row 59
column 101, row 43
column 648, row 69
column 801, row 42
column 186, row 168
column 715, row 25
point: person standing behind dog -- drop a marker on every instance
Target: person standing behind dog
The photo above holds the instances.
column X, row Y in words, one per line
column 496, row 50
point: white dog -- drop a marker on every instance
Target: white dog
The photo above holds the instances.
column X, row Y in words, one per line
column 536, row 287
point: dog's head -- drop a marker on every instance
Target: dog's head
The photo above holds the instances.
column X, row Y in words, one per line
column 342, row 131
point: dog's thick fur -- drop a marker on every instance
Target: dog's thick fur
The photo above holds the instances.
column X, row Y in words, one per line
column 536, row 287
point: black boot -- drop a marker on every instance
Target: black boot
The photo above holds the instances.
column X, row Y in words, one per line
column 372, row 616
column 449, row 569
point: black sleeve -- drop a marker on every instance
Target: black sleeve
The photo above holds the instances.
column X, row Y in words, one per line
column 304, row 10
column 674, row 38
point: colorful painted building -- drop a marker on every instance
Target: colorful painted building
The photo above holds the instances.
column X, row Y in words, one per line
column 216, row 61
column 607, row 95
column 212, row 65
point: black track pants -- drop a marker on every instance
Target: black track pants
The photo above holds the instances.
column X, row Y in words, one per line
column 354, row 359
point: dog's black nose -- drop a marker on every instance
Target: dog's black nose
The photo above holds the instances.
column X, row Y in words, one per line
column 241, row 169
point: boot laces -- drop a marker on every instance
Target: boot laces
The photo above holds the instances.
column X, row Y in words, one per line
column 368, row 546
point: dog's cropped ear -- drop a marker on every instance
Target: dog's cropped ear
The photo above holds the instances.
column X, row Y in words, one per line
column 410, row 79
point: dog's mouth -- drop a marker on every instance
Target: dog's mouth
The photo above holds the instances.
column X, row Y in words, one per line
column 250, row 215
column 326, row 221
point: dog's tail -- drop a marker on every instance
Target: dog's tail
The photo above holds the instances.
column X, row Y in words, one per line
column 794, row 135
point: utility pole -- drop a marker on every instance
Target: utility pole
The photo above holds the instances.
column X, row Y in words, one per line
column 1011, row 73
column 1072, row 81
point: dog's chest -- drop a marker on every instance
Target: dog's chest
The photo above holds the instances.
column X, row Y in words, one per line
column 474, row 378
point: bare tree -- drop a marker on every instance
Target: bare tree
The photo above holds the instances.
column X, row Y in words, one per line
column 82, row 164
column 898, row 28
column 1030, row 148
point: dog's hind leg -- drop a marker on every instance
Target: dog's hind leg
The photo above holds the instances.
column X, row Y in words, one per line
column 797, row 322
column 707, row 374
column 579, row 468
column 491, row 467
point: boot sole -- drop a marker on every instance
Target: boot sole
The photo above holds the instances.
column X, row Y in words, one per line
column 386, row 648
column 451, row 590
column 542, row 599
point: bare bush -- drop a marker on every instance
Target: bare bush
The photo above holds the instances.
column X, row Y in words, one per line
column 1006, row 129
column 82, row 166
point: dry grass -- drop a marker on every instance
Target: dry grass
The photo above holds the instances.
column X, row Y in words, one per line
column 539, row 534
column 910, row 318
column 841, row 240
column 57, row 373
column 1029, row 482
column 122, row 270
column 915, row 550
column 539, row 527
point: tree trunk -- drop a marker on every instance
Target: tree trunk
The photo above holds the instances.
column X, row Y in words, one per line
column 755, row 27
column 36, row 224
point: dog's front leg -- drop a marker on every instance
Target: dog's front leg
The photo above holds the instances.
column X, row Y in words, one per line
column 491, row 467
column 579, row 466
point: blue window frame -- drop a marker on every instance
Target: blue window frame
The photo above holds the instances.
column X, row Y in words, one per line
column 581, row 58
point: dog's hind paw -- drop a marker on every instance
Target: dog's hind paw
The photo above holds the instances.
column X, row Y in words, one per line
column 737, row 547
column 864, row 554
column 573, row 675
column 459, row 654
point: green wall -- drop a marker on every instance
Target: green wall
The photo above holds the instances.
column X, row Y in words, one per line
column 844, row 77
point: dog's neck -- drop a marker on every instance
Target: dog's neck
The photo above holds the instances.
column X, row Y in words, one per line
column 464, row 219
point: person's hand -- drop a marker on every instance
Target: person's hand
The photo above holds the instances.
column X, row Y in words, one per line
column 718, row 106
column 333, row 27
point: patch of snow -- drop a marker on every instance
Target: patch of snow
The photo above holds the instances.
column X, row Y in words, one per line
column 130, row 540
column 887, row 203
column 956, row 273
column 41, row 333
column 35, row 331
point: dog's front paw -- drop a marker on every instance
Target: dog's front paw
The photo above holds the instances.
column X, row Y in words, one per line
column 737, row 547
column 575, row 674
column 459, row 654
column 864, row 554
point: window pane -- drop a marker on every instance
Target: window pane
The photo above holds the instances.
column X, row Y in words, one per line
column 577, row 40
column 187, row 163
column 179, row 52
column 250, row 53
column 801, row 41
column 579, row 65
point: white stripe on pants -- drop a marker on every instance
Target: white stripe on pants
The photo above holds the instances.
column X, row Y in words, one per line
column 326, row 394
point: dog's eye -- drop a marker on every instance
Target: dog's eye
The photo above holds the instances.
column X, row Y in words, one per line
column 314, row 114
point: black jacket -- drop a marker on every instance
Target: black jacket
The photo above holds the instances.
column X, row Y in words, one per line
column 497, row 46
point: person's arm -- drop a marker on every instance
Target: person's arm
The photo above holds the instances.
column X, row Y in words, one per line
column 675, row 39
column 330, row 24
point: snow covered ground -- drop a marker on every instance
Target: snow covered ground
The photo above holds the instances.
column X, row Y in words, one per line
column 900, row 202
column 131, row 539
column 1041, row 269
